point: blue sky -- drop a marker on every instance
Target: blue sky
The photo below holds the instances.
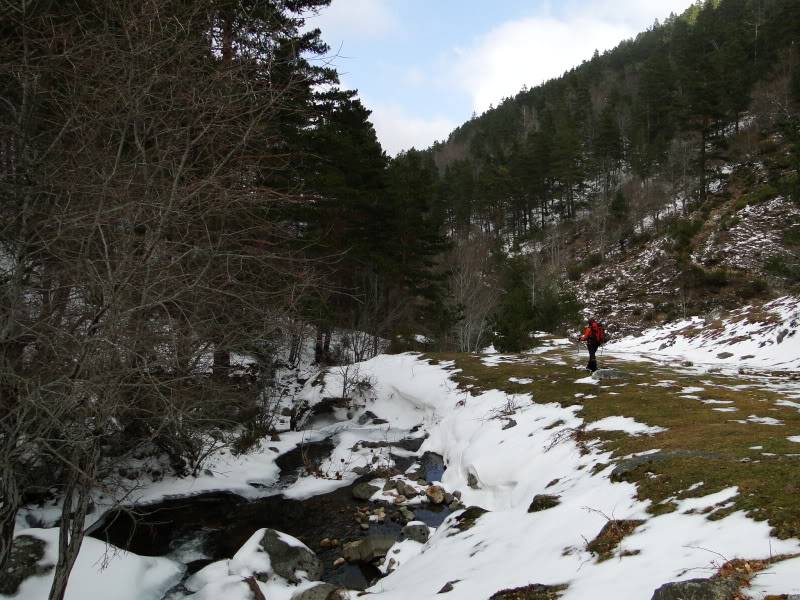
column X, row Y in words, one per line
column 424, row 66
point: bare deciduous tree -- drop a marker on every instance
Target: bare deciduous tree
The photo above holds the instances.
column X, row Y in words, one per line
column 142, row 179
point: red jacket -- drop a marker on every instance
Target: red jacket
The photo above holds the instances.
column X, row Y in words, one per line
column 593, row 332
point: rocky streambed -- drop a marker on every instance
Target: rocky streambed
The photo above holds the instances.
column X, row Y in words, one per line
column 348, row 533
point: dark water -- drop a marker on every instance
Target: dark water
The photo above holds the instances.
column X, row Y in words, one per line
column 216, row 525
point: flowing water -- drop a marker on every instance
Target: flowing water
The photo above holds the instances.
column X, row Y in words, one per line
column 205, row 528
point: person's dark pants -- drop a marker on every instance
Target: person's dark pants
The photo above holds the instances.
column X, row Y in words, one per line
column 592, row 365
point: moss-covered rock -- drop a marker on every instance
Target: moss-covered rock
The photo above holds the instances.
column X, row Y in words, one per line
column 543, row 502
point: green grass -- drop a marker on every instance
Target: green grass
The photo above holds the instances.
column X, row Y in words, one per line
column 769, row 487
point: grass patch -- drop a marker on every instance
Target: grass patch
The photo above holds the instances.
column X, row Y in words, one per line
column 700, row 444
column 610, row 537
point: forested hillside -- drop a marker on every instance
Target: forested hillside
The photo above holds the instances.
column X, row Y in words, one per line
column 649, row 139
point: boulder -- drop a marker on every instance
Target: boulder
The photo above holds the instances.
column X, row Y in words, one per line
column 472, row 481
column 435, row 494
column 318, row 592
column 406, row 489
column 368, row 548
column 364, row 491
column 417, row 532
column 716, row 588
column 406, row 514
column 23, row 562
column 288, row 556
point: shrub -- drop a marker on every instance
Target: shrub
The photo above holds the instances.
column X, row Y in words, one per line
column 784, row 267
column 576, row 270
column 757, row 196
column 699, row 278
column 752, row 289
column 682, row 231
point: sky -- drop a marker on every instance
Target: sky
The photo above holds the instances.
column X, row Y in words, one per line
column 424, row 66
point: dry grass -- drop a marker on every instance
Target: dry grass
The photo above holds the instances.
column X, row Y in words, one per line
column 766, row 478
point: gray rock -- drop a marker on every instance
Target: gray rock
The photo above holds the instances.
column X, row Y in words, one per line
column 318, row 592
column 602, row 374
column 286, row 559
column 718, row 588
column 407, row 514
column 472, row 481
column 509, row 423
column 368, row 548
column 391, row 484
column 624, row 467
column 417, row 532
column 367, row 417
column 23, row 562
column 406, row 489
column 448, row 587
column 364, row 491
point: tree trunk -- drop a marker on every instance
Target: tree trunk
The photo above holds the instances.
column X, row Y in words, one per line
column 8, row 514
column 73, row 517
column 319, row 354
column 326, row 346
column 222, row 364
column 227, row 38
column 703, row 137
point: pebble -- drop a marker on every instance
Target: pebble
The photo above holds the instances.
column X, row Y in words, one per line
column 338, row 562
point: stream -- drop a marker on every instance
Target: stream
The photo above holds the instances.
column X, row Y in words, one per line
column 202, row 529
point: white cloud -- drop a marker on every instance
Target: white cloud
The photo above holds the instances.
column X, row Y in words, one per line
column 347, row 20
column 400, row 130
column 638, row 14
column 528, row 52
column 532, row 50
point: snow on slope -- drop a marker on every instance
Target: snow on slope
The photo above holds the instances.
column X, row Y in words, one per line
column 758, row 337
column 102, row 572
column 509, row 547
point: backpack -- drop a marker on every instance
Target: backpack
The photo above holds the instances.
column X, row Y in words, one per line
column 599, row 333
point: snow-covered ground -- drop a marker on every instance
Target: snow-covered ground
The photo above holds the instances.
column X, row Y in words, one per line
column 758, row 337
column 500, row 468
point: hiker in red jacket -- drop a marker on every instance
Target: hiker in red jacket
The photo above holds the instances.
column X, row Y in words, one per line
column 594, row 335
